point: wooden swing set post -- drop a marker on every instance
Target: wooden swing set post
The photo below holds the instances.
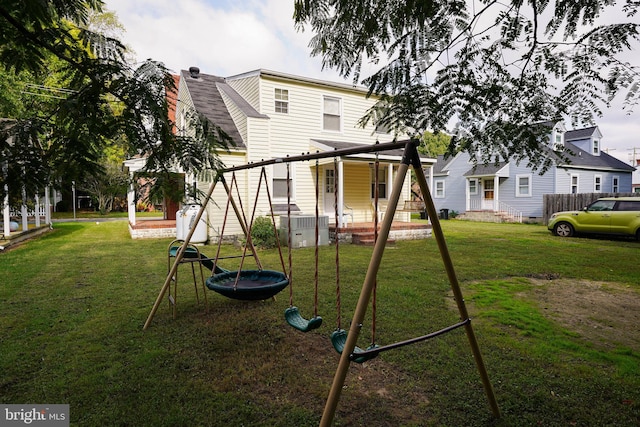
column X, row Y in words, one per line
column 455, row 287
column 410, row 158
column 365, row 296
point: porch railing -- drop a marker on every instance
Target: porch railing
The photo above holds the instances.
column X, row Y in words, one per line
column 42, row 211
column 501, row 208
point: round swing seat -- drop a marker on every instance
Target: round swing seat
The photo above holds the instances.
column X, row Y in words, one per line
column 253, row 285
column 295, row 319
column 339, row 339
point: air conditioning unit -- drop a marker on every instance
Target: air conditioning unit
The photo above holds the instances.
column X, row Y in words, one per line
column 303, row 231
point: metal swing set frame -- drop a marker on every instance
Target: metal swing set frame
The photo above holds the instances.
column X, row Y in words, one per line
column 410, row 159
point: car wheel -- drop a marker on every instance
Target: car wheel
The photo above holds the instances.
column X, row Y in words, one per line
column 563, row 229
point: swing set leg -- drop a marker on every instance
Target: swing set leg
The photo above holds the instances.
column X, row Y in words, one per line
column 410, row 157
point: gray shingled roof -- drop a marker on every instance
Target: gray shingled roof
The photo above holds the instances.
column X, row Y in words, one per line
column 489, row 169
column 572, row 135
column 339, row 145
column 580, row 158
column 207, row 100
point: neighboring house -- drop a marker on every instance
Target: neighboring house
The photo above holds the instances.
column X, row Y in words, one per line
column 516, row 190
column 270, row 115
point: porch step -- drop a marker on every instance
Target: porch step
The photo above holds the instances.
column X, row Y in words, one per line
column 486, row 216
column 367, row 239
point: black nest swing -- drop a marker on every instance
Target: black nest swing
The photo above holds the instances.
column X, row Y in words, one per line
column 250, row 285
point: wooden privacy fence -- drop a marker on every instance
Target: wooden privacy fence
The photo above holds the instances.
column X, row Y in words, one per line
column 573, row 202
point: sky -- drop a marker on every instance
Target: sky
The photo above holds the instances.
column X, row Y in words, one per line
column 228, row 37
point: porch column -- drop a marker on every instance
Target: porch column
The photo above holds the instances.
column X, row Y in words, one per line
column 467, row 195
column 340, row 192
column 390, row 180
column 496, row 195
column 23, row 211
column 37, row 210
column 47, row 206
column 131, row 204
column 6, row 214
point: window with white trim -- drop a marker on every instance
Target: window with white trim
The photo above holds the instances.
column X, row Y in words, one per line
column 332, row 114
column 380, row 127
column 281, row 97
column 615, row 184
column 439, row 190
column 330, row 181
column 597, row 183
column 523, row 185
column 382, row 183
column 596, row 147
column 279, row 181
column 574, row 183
column 558, row 140
column 473, row 187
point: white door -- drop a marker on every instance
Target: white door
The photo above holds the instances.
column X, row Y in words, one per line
column 329, row 191
column 488, row 194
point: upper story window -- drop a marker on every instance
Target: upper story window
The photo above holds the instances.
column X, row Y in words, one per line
column 377, row 121
column 332, row 114
column 281, row 101
column 596, row 147
column 558, row 143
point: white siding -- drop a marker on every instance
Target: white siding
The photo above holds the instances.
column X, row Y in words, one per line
column 249, row 88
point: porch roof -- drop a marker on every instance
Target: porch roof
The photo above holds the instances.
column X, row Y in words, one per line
column 392, row 156
column 488, row 170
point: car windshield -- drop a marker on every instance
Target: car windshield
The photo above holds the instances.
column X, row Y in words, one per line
column 601, row 205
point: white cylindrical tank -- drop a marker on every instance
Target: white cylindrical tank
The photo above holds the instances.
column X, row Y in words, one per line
column 180, row 234
column 200, row 234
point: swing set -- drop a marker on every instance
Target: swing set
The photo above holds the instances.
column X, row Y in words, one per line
column 262, row 284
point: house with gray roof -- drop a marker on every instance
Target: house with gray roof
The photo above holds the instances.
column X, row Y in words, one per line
column 514, row 191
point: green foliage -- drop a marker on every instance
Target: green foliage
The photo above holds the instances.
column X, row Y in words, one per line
column 263, row 234
column 102, row 100
column 434, row 144
column 491, row 71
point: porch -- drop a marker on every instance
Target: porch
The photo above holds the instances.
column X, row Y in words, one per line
column 363, row 233
column 357, row 233
column 153, row 229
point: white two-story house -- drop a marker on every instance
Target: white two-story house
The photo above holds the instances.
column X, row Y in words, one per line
column 271, row 114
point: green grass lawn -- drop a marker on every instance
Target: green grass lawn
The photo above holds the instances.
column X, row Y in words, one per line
column 74, row 302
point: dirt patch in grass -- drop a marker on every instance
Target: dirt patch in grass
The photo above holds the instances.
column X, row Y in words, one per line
column 606, row 314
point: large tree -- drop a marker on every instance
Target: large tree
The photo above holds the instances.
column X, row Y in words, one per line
column 487, row 69
column 102, row 99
